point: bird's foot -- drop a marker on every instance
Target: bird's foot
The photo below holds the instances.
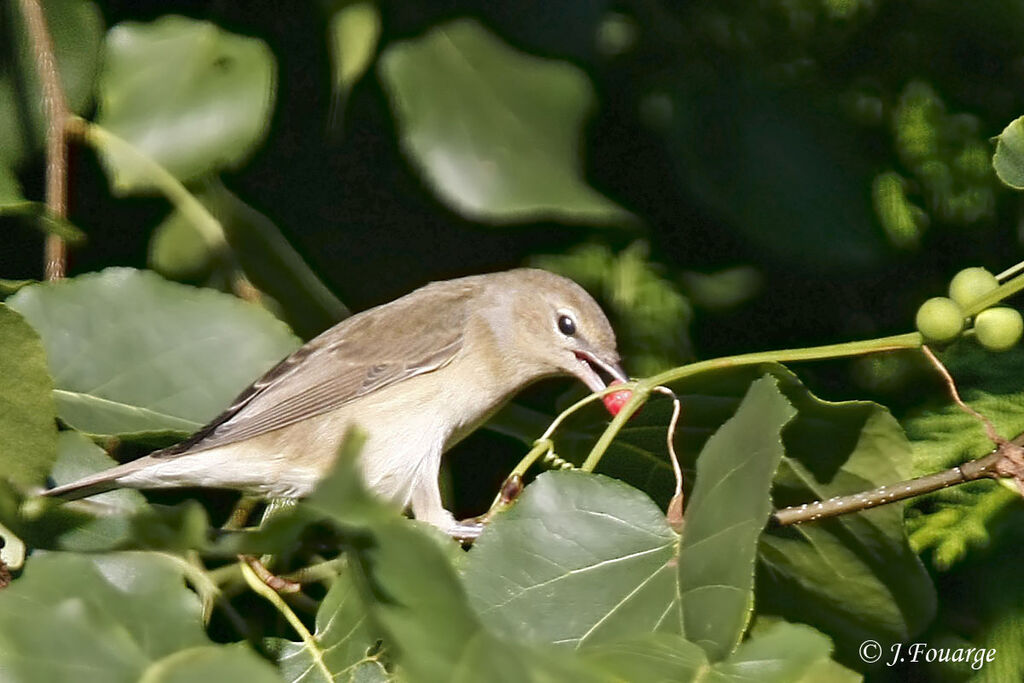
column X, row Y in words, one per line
column 266, row 576
column 466, row 531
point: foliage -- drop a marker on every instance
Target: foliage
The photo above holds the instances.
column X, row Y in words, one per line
column 724, row 176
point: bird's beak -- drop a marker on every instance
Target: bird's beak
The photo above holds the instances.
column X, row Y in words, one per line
column 591, row 366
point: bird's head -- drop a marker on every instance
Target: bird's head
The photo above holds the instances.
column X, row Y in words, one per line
column 551, row 326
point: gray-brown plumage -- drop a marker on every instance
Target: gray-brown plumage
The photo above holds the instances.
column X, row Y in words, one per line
column 417, row 375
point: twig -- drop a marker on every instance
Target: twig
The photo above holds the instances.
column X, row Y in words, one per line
column 55, row 104
column 1007, row 460
column 990, row 430
column 670, row 437
column 674, row 513
column 208, row 590
column 316, row 653
column 986, row 467
column 101, row 139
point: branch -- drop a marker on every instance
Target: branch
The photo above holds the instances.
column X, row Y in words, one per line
column 55, row 103
column 991, row 466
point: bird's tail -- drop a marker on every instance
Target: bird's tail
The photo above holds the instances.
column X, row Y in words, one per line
column 101, row 482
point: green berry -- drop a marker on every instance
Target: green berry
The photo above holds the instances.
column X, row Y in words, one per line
column 970, row 284
column 998, row 329
column 940, row 320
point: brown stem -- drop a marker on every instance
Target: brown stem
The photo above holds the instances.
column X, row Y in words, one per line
column 983, row 468
column 55, row 104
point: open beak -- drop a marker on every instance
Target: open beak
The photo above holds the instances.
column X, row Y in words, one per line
column 593, row 370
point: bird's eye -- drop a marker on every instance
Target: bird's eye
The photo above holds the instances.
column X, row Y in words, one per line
column 566, row 325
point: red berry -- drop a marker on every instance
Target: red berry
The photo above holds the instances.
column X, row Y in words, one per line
column 616, row 399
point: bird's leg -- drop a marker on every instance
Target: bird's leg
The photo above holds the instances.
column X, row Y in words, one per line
column 427, row 507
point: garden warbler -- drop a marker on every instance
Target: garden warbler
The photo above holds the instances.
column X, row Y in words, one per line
column 415, row 375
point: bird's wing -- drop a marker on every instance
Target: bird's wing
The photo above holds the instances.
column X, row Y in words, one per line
column 416, row 334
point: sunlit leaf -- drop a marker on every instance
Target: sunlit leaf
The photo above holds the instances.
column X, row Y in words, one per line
column 579, row 559
column 1008, row 160
column 187, row 94
column 496, row 132
column 28, row 431
column 131, row 352
column 727, row 510
column 352, row 34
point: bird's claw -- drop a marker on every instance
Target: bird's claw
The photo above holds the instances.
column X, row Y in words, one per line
column 466, row 531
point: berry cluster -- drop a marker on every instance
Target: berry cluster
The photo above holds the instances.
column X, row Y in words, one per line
column 941, row 319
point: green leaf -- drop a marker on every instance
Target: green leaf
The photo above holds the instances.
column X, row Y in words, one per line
column 352, row 34
column 76, row 28
column 831, row 449
column 1008, row 161
column 408, row 585
column 579, row 559
column 211, row 664
column 727, row 511
column 132, row 353
column 188, row 95
column 496, row 132
column 780, row 653
column 103, row 619
column 951, row 522
column 342, row 639
column 653, row 657
column 28, row 430
column 37, row 215
column 267, row 258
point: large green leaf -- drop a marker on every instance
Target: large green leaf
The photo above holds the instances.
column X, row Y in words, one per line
column 76, row 27
column 728, row 509
column 496, row 132
column 133, row 353
column 177, row 250
column 190, row 96
column 831, row 449
column 28, row 429
column 579, row 559
column 341, row 644
column 104, row 619
column 413, row 595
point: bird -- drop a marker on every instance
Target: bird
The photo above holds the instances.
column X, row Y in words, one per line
column 415, row 375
